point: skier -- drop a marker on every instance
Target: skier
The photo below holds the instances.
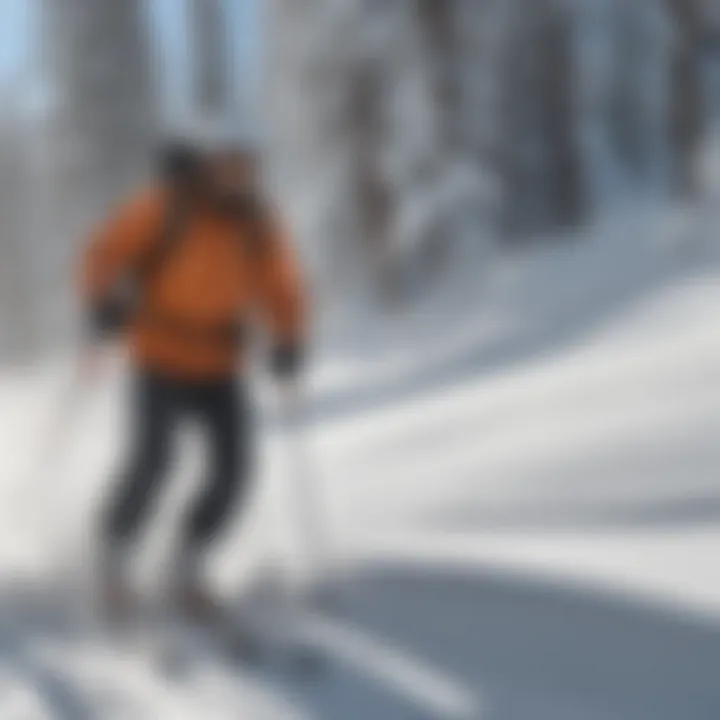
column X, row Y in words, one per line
column 206, row 258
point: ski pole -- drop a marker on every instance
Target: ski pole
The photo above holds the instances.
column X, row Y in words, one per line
column 56, row 436
column 310, row 519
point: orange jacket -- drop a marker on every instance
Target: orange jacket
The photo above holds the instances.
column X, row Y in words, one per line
column 209, row 278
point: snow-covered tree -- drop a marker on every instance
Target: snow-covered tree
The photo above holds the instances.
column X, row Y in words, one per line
column 101, row 79
column 210, row 58
column 100, row 126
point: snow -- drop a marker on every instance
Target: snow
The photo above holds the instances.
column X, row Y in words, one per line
column 518, row 480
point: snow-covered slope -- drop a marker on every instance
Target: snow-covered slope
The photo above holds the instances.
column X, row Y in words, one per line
column 522, row 479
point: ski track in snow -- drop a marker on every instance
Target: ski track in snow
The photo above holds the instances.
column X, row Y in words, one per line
column 530, row 525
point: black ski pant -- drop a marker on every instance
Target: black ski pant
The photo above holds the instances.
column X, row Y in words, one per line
column 158, row 403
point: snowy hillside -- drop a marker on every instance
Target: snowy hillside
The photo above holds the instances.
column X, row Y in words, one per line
column 521, row 479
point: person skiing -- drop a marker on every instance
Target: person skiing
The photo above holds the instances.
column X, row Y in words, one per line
column 208, row 260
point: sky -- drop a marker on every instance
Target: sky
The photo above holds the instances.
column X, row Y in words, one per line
column 169, row 20
column 17, row 32
column 16, row 18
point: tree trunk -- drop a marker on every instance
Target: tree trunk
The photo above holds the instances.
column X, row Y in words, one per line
column 687, row 112
column 374, row 195
column 440, row 33
column 564, row 171
column 19, row 293
column 211, row 59
column 541, row 163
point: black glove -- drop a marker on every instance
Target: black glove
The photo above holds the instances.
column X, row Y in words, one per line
column 287, row 360
column 108, row 318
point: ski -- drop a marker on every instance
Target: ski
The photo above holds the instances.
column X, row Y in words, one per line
column 236, row 642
